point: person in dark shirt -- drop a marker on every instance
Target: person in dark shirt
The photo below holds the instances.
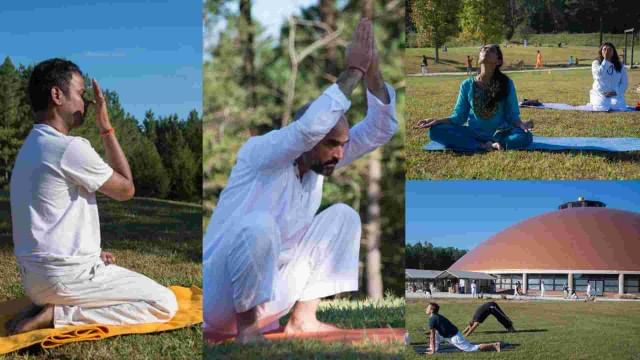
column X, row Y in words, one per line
column 486, row 309
column 439, row 324
column 424, row 65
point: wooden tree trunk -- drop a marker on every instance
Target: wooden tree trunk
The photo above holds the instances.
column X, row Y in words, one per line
column 328, row 16
column 248, row 54
column 374, row 258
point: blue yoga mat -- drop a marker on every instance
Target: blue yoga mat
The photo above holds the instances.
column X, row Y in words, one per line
column 570, row 143
column 587, row 107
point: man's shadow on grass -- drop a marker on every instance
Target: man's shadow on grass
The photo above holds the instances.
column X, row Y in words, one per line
column 515, row 332
column 421, row 348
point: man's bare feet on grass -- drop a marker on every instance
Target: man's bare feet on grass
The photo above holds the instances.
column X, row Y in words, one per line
column 41, row 320
column 308, row 326
column 29, row 311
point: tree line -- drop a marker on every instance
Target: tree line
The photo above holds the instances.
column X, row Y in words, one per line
column 434, row 22
column 428, row 257
column 253, row 84
column 164, row 152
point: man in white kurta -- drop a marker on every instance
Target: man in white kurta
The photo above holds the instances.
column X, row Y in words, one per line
column 266, row 249
column 56, row 229
column 609, row 83
column 473, row 289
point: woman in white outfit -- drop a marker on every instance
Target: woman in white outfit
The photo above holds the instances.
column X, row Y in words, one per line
column 609, row 80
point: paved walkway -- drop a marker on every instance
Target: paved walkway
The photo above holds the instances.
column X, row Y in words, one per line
column 464, row 73
column 446, row 295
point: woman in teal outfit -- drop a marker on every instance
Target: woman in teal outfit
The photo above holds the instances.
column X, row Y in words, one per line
column 486, row 115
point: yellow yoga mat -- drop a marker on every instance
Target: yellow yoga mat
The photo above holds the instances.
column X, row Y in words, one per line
column 189, row 313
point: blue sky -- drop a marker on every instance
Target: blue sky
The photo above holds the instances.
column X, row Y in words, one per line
column 462, row 214
column 149, row 52
column 271, row 14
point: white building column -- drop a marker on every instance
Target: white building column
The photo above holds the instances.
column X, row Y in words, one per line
column 620, row 284
column 570, row 281
column 525, row 283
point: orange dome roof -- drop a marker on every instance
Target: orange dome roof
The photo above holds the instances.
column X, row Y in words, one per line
column 569, row 239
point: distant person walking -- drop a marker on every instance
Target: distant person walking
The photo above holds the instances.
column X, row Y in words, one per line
column 538, row 59
column 588, row 291
column 572, row 294
column 473, row 289
column 469, row 64
column 424, row 64
column 541, row 288
column 565, row 291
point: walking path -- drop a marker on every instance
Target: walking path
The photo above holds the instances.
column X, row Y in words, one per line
column 460, row 73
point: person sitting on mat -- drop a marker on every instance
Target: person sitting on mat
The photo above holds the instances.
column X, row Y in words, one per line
column 484, row 310
column 610, row 80
column 56, row 229
column 486, row 115
column 441, row 326
column 266, row 249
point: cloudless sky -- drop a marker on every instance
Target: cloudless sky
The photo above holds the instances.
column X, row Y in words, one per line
column 270, row 14
column 462, row 214
column 149, row 52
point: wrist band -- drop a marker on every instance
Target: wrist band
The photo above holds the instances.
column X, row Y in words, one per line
column 358, row 68
column 107, row 132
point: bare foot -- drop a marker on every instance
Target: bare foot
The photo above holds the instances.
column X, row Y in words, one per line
column 297, row 327
column 490, row 146
column 30, row 311
column 42, row 320
column 497, row 346
column 529, row 124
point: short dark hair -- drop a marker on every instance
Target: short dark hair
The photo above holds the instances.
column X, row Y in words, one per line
column 435, row 307
column 46, row 75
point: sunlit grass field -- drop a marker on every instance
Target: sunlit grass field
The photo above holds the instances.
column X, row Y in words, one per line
column 160, row 239
column 546, row 329
column 434, row 97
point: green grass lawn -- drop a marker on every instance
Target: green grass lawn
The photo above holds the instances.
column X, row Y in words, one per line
column 160, row 239
column 429, row 97
column 455, row 59
column 556, row 330
column 348, row 314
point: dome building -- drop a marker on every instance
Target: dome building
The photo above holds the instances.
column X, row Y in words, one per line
column 582, row 242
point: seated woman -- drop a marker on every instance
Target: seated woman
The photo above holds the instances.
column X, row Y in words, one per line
column 486, row 115
column 609, row 80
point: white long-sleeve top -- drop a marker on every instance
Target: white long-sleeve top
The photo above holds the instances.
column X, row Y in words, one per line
column 264, row 178
column 606, row 78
